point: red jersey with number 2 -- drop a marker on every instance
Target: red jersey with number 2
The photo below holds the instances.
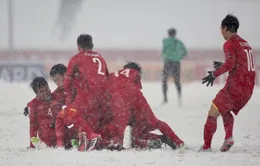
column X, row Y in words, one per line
column 91, row 67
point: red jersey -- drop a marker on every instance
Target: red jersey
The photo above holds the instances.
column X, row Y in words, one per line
column 42, row 116
column 92, row 69
column 124, row 78
column 239, row 62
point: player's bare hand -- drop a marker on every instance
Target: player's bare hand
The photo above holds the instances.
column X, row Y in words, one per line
column 217, row 64
column 209, row 79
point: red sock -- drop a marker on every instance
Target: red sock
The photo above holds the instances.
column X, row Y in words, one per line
column 165, row 129
column 228, row 121
column 210, row 128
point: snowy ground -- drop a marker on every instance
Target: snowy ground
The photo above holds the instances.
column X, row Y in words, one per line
column 187, row 122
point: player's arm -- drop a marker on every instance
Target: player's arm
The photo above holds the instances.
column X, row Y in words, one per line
column 163, row 47
column 33, row 124
column 183, row 49
column 229, row 60
column 69, row 75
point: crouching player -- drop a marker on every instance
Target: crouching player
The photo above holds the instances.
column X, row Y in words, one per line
column 239, row 62
column 69, row 126
column 43, row 110
column 129, row 107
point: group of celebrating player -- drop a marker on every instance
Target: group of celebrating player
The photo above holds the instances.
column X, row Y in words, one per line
column 94, row 109
column 99, row 107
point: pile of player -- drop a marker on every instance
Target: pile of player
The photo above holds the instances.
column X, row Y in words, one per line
column 94, row 109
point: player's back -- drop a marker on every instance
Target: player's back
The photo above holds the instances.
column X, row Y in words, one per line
column 92, row 68
column 243, row 71
column 124, row 79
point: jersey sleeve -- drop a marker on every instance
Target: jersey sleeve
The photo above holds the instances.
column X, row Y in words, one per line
column 33, row 123
column 163, row 47
column 230, row 57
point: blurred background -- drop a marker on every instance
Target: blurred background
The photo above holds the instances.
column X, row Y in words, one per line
column 36, row 34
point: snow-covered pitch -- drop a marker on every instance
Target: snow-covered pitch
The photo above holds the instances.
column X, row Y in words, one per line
column 187, row 122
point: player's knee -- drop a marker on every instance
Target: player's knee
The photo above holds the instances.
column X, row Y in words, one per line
column 214, row 112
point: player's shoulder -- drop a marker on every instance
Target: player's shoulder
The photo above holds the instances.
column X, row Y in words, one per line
column 228, row 45
column 33, row 103
column 58, row 92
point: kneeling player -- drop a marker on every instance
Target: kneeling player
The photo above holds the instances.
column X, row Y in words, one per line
column 239, row 62
column 129, row 105
column 43, row 111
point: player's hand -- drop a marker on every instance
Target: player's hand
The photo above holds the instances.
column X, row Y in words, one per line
column 26, row 111
column 52, row 125
column 217, row 64
column 209, row 79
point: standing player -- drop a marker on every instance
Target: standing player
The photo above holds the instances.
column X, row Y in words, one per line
column 92, row 69
column 43, row 111
column 239, row 62
column 173, row 52
column 130, row 107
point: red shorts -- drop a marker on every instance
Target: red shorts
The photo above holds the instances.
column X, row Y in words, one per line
column 225, row 101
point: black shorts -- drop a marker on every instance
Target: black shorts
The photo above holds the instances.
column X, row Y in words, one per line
column 171, row 68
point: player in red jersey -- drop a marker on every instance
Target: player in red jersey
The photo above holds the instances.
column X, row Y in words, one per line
column 129, row 106
column 239, row 62
column 68, row 124
column 43, row 111
column 92, row 69
column 64, row 134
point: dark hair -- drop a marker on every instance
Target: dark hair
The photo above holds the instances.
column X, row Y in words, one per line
column 38, row 82
column 231, row 23
column 172, row 32
column 84, row 41
column 58, row 69
column 133, row 65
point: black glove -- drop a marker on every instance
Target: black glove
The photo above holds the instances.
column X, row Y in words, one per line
column 26, row 111
column 217, row 64
column 209, row 79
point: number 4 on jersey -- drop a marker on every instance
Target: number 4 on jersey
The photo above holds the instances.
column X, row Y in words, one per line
column 124, row 72
column 250, row 60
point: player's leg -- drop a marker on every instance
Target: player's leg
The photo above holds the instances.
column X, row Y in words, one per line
column 176, row 76
column 165, row 76
column 220, row 106
column 142, row 138
column 121, row 113
column 228, row 121
column 144, row 112
column 210, row 127
column 75, row 119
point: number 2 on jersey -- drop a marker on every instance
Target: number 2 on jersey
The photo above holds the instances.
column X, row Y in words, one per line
column 96, row 60
column 250, row 60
